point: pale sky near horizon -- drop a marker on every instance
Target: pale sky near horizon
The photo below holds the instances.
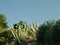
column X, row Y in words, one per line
column 30, row 11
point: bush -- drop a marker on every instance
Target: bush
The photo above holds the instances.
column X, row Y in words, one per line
column 6, row 36
column 49, row 33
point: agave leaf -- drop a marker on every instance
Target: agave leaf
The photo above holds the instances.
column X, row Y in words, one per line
column 13, row 33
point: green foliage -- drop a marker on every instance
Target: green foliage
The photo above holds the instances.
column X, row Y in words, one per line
column 56, row 32
column 22, row 33
column 44, row 34
column 3, row 22
column 6, row 35
column 49, row 33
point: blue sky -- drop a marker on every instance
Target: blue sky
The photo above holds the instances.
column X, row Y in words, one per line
column 30, row 11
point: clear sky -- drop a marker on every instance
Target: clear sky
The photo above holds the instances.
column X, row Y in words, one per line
column 30, row 10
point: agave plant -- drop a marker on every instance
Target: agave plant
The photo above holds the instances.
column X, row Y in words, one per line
column 16, row 33
column 24, row 32
column 33, row 29
column 29, row 33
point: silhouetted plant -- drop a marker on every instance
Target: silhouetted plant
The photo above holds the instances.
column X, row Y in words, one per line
column 44, row 34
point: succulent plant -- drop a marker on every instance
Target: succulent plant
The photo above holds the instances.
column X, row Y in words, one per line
column 25, row 32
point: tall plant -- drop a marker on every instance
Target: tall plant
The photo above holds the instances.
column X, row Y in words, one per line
column 24, row 32
column 16, row 33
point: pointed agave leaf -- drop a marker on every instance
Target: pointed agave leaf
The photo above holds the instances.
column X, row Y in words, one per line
column 13, row 33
